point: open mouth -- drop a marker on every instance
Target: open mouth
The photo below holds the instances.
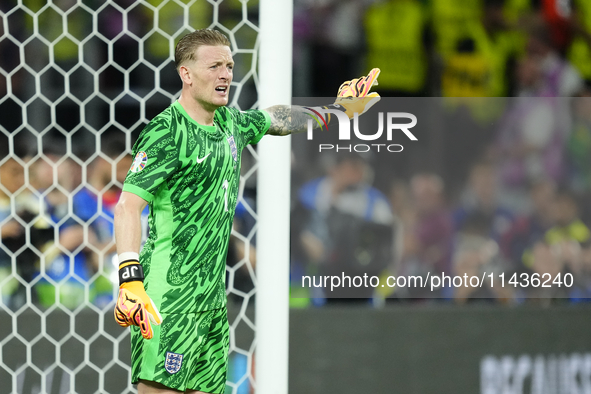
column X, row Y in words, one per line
column 222, row 89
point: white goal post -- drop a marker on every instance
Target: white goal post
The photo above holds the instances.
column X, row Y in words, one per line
column 273, row 195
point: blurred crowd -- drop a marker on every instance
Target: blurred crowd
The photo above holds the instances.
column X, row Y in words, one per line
column 56, row 224
column 56, row 212
column 508, row 196
column 451, row 48
column 62, row 163
column 515, row 205
column 524, row 228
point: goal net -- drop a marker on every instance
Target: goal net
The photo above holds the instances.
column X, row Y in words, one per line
column 78, row 82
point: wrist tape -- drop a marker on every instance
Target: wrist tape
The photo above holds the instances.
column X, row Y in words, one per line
column 319, row 110
column 131, row 271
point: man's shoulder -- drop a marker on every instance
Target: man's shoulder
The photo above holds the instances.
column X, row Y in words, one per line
column 167, row 116
column 162, row 123
column 163, row 118
column 230, row 118
column 223, row 114
column 230, row 112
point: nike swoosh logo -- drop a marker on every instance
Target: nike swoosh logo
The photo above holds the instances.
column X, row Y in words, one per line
column 203, row 158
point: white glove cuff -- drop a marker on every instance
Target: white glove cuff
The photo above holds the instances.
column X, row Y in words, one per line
column 126, row 256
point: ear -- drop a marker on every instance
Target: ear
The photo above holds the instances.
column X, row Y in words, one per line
column 185, row 74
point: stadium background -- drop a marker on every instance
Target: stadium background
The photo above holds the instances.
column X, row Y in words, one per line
column 73, row 101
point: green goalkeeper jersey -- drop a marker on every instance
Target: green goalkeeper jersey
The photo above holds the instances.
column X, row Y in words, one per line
column 189, row 174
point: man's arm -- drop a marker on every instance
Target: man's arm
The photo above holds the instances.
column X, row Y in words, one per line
column 134, row 306
column 353, row 97
column 128, row 230
column 288, row 119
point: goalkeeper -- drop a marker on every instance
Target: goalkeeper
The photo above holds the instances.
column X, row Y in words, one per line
column 187, row 168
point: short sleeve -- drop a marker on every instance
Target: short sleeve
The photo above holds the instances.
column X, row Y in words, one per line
column 156, row 158
column 250, row 126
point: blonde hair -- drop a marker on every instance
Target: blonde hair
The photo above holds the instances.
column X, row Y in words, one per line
column 187, row 46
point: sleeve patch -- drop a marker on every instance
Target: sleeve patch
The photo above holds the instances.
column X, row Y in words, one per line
column 139, row 162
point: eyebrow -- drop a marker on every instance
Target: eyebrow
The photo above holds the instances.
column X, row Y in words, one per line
column 221, row 62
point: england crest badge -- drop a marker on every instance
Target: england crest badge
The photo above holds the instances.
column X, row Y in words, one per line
column 173, row 362
column 233, row 148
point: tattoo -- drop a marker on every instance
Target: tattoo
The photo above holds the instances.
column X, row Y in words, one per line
column 288, row 119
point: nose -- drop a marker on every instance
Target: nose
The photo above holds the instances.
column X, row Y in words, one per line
column 226, row 73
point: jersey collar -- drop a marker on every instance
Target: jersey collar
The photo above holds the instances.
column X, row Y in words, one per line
column 179, row 107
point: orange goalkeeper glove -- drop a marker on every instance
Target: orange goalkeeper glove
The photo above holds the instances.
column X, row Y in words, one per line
column 354, row 95
column 134, row 307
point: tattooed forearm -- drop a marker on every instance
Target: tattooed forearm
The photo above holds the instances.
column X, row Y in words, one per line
column 287, row 119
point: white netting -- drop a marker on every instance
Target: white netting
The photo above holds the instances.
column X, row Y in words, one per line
column 78, row 81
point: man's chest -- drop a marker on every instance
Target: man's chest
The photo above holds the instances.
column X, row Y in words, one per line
column 211, row 154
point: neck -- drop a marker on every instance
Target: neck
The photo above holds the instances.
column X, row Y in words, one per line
column 196, row 111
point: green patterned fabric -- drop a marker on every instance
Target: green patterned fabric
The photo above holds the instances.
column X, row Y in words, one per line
column 188, row 351
column 189, row 174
